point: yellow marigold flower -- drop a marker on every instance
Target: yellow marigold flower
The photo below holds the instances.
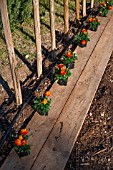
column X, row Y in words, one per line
column 69, row 54
column 20, row 137
column 63, row 68
column 44, row 101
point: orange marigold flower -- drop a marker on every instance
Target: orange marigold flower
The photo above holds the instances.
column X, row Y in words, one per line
column 103, row 3
column 24, row 142
column 84, row 31
column 63, row 68
column 44, row 101
column 90, row 19
column 18, row 142
column 62, row 72
column 109, row 7
column 47, row 93
column 69, row 54
column 98, row 20
column 24, row 132
column 20, row 137
column 61, row 65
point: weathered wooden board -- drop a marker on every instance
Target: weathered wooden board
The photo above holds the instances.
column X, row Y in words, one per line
column 56, row 150
column 40, row 127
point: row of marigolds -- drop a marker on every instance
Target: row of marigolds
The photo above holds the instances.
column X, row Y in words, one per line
column 62, row 73
column 42, row 104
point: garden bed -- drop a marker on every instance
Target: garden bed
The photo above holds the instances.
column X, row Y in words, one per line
column 91, row 62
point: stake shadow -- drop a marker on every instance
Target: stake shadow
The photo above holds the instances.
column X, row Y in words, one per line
column 24, row 60
column 6, row 86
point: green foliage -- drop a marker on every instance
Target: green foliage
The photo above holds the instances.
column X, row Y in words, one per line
column 20, row 149
column 19, row 11
column 94, row 24
column 42, row 105
column 104, row 11
column 69, row 60
column 59, row 76
column 27, row 10
column 110, row 3
column 81, row 36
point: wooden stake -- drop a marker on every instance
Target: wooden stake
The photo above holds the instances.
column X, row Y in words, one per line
column 92, row 3
column 66, row 19
column 52, row 24
column 10, row 47
column 77, row 12
column 84, row 8
column 37, row 36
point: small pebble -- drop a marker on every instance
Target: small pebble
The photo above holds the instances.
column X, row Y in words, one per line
column 104, row 123
column 109, row 159
column 90, row 114
column 27, row 56
column 111, row 80
column 102, row 114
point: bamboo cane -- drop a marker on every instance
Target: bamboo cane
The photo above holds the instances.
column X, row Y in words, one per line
column 38, row 37
column 52, row 24
column 11, row 54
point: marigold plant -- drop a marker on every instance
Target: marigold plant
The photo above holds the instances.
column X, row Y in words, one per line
column 69, row 58
column 105, row 7
column 42, row 104
column 20, row 142
column 83, row 35
column 62, row 73
column 94, row 23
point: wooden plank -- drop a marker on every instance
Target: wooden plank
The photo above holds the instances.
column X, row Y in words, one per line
column 37, row 37
column 56, row 151
column 40, row 126
column 11, row 54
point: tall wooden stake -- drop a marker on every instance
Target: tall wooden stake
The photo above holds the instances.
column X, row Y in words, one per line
column 77, row 12
column 52, row 24
column 11, row 54
column 66, row 19
column 84, row 8
column 92, row 3
column 37, row 36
